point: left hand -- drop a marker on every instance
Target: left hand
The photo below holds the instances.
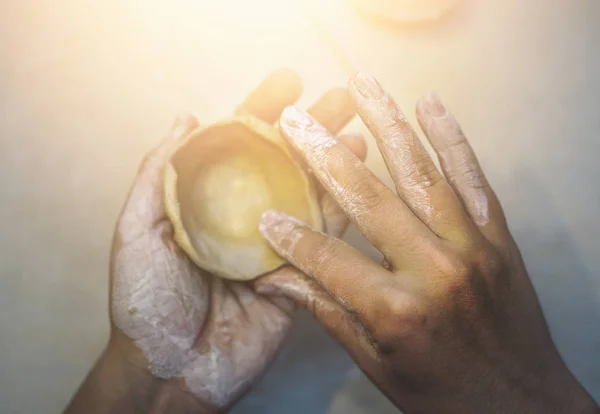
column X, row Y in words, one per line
column 195, row 339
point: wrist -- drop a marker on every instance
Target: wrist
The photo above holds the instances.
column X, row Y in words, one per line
column 554, row 391
column 120, row 382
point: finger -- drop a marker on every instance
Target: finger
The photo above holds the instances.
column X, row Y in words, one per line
column 342, row 270
column 417, row 180
column 290, row 283
column 336, row 221
column 461, row 168
column 356, row 143
column 381, row 216
column 334, row 110
column 280, row 89
column 144, row 205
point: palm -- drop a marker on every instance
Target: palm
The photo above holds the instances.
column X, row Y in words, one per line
column 242, row 333
column 216, row 335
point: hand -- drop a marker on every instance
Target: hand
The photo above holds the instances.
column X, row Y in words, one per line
column 450, row 322
column 196, row 342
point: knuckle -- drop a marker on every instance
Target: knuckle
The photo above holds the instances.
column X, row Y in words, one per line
column 423, row 173
column 395, row 123
column 464, row 277
column 364, row 194
column 472, row 175
column 399, row 319
column 461, row 164
column 456, row 292
column 450, row 264
column 321, row 256
column 454, row 274
column 489, row 262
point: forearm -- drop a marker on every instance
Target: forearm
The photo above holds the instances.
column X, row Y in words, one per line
column 116, row 386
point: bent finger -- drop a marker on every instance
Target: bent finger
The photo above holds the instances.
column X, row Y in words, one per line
column 291, row 283
column 334, row 110
column 342, row 270
column 377, row 212
column 279, row 89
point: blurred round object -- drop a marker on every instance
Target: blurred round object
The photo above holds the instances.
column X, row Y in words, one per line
column 220, row 180
column 406, row 11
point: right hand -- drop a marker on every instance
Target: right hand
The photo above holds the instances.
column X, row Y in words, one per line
column 450, row 323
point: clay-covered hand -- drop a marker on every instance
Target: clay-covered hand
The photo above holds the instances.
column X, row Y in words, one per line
column 449, row 323
column 194, row 342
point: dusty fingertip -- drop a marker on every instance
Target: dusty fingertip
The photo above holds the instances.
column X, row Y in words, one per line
column 366, row 85
column 273, row 218
column 433, row 105
column 294, row 118
column 279, row 229
column 269, row 223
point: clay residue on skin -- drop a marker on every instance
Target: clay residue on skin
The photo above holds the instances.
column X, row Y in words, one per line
column 457, row 158
column 316, row 145
column 310, row 138
column 282, row 231
column 162, row 301
column 332, row 313
column 183, row 320
column 405, row 156
column 160, row 308
column 240, row 343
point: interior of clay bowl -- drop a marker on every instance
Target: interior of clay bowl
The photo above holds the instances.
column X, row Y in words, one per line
column 227, row 176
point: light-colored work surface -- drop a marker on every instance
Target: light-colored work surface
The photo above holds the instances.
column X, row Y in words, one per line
column 87, row 87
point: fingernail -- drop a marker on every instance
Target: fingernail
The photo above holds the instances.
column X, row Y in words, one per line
column 367, row 86
column 276, row 227
column 304, row 131
column 434, row 105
